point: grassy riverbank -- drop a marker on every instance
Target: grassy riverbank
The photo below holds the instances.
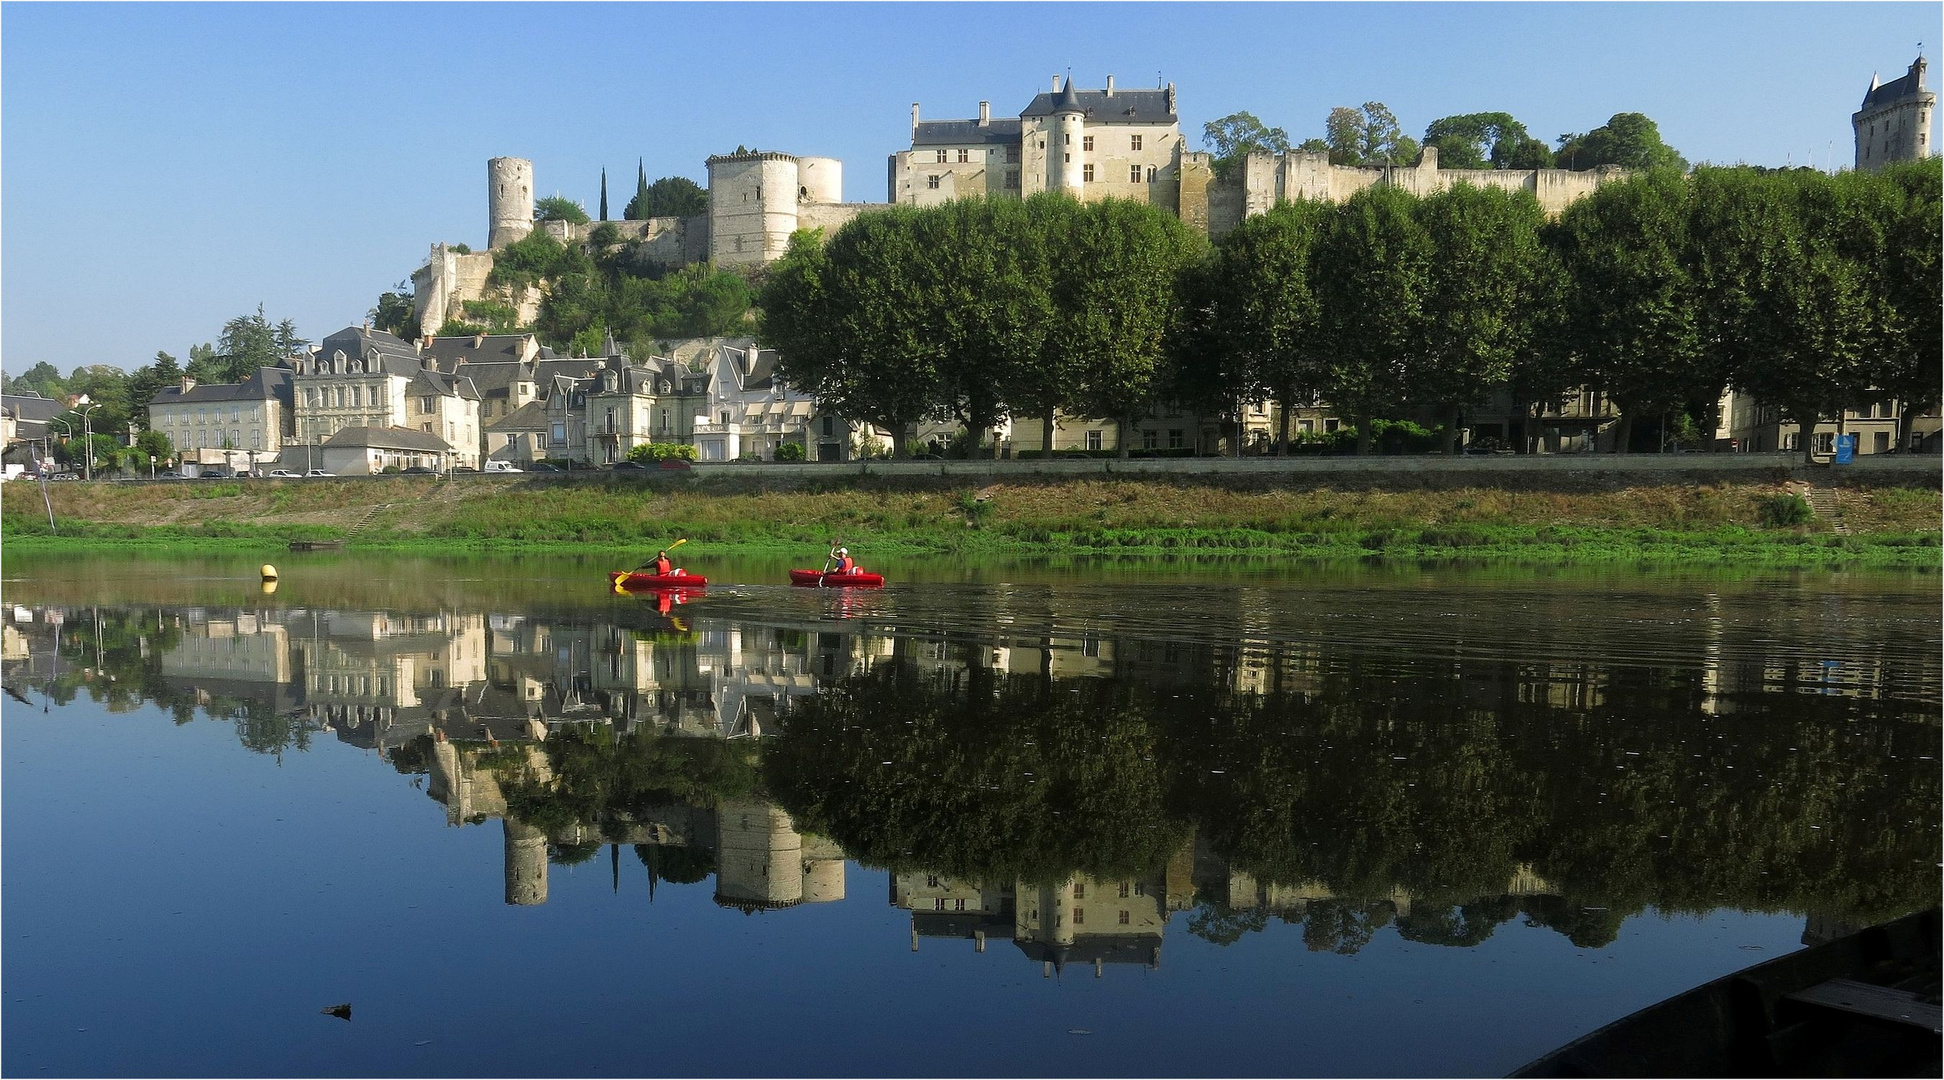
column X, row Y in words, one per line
column 1729, row 522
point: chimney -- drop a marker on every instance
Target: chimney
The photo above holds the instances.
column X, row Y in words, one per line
column 479, row 340
column 985, row 113
column 1110, row 86
column 1056, row 84
column 1171, row 98
column 914, row 116
column 188, row 384
column 426, row 341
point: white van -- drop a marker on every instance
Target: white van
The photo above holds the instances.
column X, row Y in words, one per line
column 502, row 466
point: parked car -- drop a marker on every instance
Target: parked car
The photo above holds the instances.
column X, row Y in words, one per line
column 464, row 468
column 540, row 466
column 507, row 466
column 628, row 466
column 418, row 470
column 319, row 472
column 283, row 474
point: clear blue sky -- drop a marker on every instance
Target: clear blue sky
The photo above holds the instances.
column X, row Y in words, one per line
column 167, row 167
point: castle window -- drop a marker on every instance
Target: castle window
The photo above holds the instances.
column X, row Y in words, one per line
column 1150, row 174
column 1133, row 174
column 1086, row 143
column 1079, row 916
column 1079, row 890
column 1137, row 142
column 1012, row 155
column 941, row 157
column 1012, row 179
column 1123, row 918
column 1086, row 173
column 931, row 182
column 1093, row 440
column 964, row 156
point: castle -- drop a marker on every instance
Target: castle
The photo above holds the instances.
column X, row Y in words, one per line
column 1894, row 122
column 1091, row 144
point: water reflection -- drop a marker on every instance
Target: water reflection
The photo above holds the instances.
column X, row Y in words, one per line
column 1046, row 767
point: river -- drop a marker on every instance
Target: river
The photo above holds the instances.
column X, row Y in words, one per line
column 1051, row 819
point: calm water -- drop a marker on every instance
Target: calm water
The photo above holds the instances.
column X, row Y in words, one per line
column 1043, row 820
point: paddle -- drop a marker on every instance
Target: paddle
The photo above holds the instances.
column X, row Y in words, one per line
column 651, row 562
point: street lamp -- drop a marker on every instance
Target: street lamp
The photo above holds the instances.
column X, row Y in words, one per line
column 87, row 433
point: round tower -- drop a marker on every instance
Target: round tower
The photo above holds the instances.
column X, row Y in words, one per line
column 509, row 200
column 752, row 206
column 1065, row 160
column 526, row 864
column 820, row 180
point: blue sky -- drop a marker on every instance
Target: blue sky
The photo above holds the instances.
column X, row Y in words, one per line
column 167, row 167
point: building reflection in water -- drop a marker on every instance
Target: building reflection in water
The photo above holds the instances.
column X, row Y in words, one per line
column 499, row 711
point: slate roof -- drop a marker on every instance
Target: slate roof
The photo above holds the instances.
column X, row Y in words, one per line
column 444, row 385
column 1004, row 130
column 31, row 407
column 1125, row 107
column 529, row 417
column 389, row 438
column 1910, row 84
column 399, row 357
column 759, row 374
column 268, row 382
column 477, row 349
column 491, row 378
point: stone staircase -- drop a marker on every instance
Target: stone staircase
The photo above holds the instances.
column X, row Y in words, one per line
column 1824, row 503
column 369, row 516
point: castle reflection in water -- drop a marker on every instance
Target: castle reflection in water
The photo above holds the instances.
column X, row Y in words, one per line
column 479, row 703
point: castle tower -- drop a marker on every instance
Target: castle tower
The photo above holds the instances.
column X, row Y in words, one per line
column 1894, row 122
column 752, row 206
column 759, row 857
column 1066, row 157
column 509, row 200
column 526, row 864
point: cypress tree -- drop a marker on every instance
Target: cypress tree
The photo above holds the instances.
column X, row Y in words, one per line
column 603, row 194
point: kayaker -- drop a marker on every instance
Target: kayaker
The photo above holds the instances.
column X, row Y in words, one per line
column 662, row 564
column 845, row 565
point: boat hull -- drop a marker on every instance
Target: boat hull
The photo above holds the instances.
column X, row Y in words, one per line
column 834, row 580
column 631, row 580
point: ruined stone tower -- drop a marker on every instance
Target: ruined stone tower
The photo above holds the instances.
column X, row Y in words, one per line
column 509, row 200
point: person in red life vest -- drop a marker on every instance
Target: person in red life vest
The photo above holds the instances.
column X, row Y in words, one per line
column 845, row 564
column 662, row 564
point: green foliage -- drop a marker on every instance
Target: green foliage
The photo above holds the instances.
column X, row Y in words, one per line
column 647, row 452
column 606, row 234
column 491, row 316
column 1486, row 140
column 1373, row 273
column 670, row 196
column 559, row 208
column 1237, row 135
column 1785, row 511
column 393, row 313
column 533, row 258
column 1628, row 140
column 1367, row 136
column 789, row 451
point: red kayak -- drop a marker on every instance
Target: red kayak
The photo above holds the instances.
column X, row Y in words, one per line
column 832, row 579
column 635, row 579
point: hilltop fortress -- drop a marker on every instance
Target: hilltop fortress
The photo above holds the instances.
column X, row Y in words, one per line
column 1091, row 144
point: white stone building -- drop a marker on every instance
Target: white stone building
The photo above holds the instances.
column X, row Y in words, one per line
column 1895, row 120
column 253, row 415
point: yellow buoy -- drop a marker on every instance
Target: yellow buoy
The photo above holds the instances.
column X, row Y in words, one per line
column 269, row 572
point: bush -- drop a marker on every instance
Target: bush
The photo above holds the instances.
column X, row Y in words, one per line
column 1781, row 511
column 559, row 208
column 789, row 451
column 606, row 234
column 662, row 451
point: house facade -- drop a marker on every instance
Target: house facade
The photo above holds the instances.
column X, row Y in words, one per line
column 254, row 415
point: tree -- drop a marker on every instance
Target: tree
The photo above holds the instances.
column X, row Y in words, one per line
column 1485, row 140
column 1367, row 136
column 395, row 311
column 1628, row 140
column 1480, row 288
column 1630, row 317
column 1812, row 328
column 1239, row 134
column 1260, row 338
column 1908, row 276
column 1115, row 294
column 154, row 444
column 559, row 208
column 849, row 320
column 249, row 342
column 1372, row 275
column 1738, row 223
column 670, row 196
column 43, row 379
column 149, row 380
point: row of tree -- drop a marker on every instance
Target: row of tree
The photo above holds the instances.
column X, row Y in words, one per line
column 1370, row 135
column 1811, row 292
